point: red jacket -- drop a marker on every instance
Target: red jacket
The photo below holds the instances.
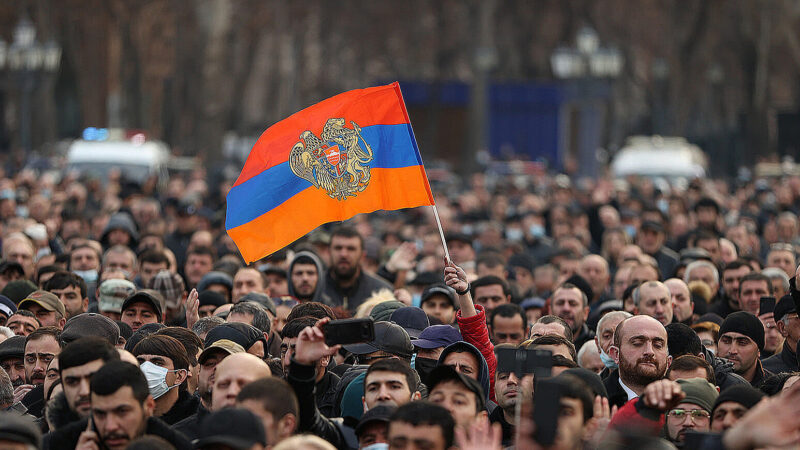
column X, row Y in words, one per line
column 634, row 415
column 474, row 331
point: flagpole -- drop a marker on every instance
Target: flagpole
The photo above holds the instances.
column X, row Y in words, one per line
column 441, row 233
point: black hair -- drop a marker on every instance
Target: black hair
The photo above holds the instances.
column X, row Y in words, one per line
column 313, row 309
column 551, row 318
column 773, row 384
column 561, row 361
column 143, row 331
column 47, row 269
column 166, row 346
column 347, row 231
column 86, row 350
column 153, row 256
column 117, row 374
column 426, row 413
column 490, row 280
column 553, row 339
column 293, row 327
column 274, row 395
column 682, row 340
column 689, row 363
column 259, row 313
column 574, row 387
column 148, row 442
column 45, row 331
column 396, row 366
column 706, row 202
column 202, row 250
column 191, row 342
column 509, row 310
column 63, row 280
column 756, row 276
column 736, row 264
column 490, row 259
column 304, row 259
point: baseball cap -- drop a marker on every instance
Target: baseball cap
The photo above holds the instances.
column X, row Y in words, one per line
column 443, row 374
column 652, row 225
column 439, row 289
column 220, row 346
column 46, row 300
column 380, row 413
column 785, row 306
column 7, row 307
column 383, row 311
column 91, row 324
column 436, row 336
column 389, row 337
column 19, row 429
column 236, row 428
column 170, row 286
column 113, row 293
column 412, row 319
column 13, row 347
column 148, row 296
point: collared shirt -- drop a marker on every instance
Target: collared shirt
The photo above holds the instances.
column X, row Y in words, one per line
column 631, row 395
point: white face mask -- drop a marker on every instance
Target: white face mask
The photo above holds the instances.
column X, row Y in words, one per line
column 156, row 378
column 378, row 446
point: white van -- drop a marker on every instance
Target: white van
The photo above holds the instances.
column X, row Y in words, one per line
column 136, row 158
column 657, row 156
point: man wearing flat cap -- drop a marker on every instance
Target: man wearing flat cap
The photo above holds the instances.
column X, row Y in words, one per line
column 788, row 325
column 741, row 338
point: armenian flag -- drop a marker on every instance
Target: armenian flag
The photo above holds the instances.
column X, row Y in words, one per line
column 350, row 154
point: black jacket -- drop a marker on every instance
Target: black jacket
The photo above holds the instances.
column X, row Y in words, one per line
column 302, row 378
column 616, row 395
column 67, row 438
column 190, row 426
column 186, row 405
column 325, row 394
column 497, row 416
column 351, row 298
column 583, row 336
column 58, row 412
column 785, row 361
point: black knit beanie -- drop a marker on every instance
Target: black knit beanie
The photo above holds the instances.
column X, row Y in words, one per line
column 742, row 394
column 746, row 324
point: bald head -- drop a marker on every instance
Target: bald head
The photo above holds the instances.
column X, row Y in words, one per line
column 594, row 269
column 635, row 325
column 232, row 373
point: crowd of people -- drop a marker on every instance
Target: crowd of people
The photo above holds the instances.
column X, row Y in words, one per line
column 567, row 314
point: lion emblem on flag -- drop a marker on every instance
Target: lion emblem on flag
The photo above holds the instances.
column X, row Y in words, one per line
column 337, row 161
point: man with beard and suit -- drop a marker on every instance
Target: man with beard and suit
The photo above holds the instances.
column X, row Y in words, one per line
column 640, row 350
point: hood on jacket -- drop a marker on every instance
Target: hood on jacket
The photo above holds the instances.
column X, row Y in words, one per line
column 483, row 368
column 121, row 221
column 315, row 297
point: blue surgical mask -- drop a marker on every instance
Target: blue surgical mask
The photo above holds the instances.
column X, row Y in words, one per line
column 89, row 276
column 156, row 378
column 416, row 299
column 631, row 231
column 537, row 230
column 607, row 360
column 663, row 205
column 514, row 234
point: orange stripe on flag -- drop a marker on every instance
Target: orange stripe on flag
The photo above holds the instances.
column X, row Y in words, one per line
column 388, row 189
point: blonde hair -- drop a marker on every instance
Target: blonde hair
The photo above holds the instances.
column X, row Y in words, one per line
column 700, row 288
column 304, row 442
column 384, row 295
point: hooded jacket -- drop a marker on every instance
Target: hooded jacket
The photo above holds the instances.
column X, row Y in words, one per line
column 318, row 292
column 474, row 330
column 120, row 221
column 58, row 412
column 483, row 368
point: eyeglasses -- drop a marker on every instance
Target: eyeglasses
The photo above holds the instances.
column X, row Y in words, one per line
column 695, row 414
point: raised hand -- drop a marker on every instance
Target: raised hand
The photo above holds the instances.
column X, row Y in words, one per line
column 480, row 436
column 663, row 395
column 311, row 346
column 192, row 305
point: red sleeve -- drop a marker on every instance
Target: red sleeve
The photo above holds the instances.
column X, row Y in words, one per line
column 634, row 415
column 474, row 331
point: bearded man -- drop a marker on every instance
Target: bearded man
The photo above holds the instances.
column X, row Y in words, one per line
column 640, row 350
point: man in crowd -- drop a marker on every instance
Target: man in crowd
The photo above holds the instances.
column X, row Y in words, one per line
column 346, row 284
column 551, row 324
column 732, row 404
column 143, row 307
column 788, row 325
column 71, row 290
column 121, row 411
column 439, row 301
column 421, row 425
column 741, row 338
column 653, row 299
column 47, row 308
column 752, row 287
column 570, row 304
column 77, row 362
column 508, row 324
column 245, row 281
column 682, row 304
column 693, row 413
column 490, row 292
column 273, row 401
column 640, row 350
column 306, row 274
